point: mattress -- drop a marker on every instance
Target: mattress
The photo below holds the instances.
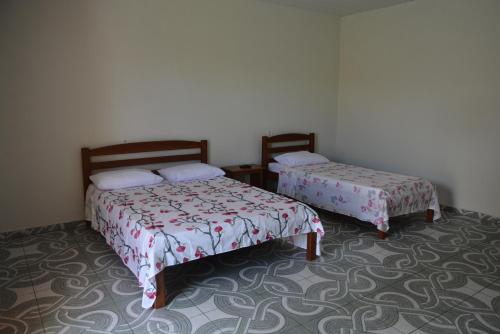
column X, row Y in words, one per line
column 153, row 227
column 275, row 167
column 363, row 193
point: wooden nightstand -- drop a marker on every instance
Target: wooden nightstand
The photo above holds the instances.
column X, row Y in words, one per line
column 255, row 172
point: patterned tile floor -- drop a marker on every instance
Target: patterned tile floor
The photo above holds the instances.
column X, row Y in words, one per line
column 425, row 278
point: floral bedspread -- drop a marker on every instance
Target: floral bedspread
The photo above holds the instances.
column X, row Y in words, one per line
column 366, row 194
column 152, row 227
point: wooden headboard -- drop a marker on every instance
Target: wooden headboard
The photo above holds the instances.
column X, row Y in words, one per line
column 88, row 166
column 268, row 150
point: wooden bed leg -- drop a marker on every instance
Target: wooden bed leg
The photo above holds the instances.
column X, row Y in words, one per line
column 429, row 215
column 382, row 235
column 311, row 246
column 161, row 294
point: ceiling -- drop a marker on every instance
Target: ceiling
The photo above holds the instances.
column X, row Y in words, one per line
column 340, row 7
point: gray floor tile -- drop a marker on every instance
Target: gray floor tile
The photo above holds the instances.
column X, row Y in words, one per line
column 260, row 321
column 21, row 326
column 424, row 278
column 356, row 318
column 15, row 282
column 167, row 320
column 39, row 247
column 460, row 321
column 91, row 310
column 22, row 316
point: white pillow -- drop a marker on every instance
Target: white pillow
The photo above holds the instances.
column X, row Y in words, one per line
column 300, row 158
column 190, row 172
column 124, row 178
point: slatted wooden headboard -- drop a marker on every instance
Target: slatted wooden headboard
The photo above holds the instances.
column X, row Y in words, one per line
column 268, row 150
column 88, row 166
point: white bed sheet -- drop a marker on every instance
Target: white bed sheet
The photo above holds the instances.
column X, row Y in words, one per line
column 152, row 227
column 366, row 194
column 275, row 167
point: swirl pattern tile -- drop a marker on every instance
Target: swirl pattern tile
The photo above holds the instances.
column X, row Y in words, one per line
column 424, row 278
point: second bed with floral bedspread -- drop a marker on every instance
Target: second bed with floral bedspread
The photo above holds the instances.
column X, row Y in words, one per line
column 152, row 227
column 366, row 194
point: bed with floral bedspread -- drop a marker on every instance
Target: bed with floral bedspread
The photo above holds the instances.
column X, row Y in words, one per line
column 366, row 194
column 152, row 227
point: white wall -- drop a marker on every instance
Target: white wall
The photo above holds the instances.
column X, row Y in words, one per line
column 420, row 94
column 91, row 73
column 419, row 90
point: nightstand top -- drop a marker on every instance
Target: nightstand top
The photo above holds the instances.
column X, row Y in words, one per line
column 238, row 169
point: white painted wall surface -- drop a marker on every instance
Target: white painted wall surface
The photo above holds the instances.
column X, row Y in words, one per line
column 92, row 73
column 420, row 94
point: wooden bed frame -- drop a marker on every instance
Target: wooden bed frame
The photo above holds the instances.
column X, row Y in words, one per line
column 88, row 166
column 268, row 151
